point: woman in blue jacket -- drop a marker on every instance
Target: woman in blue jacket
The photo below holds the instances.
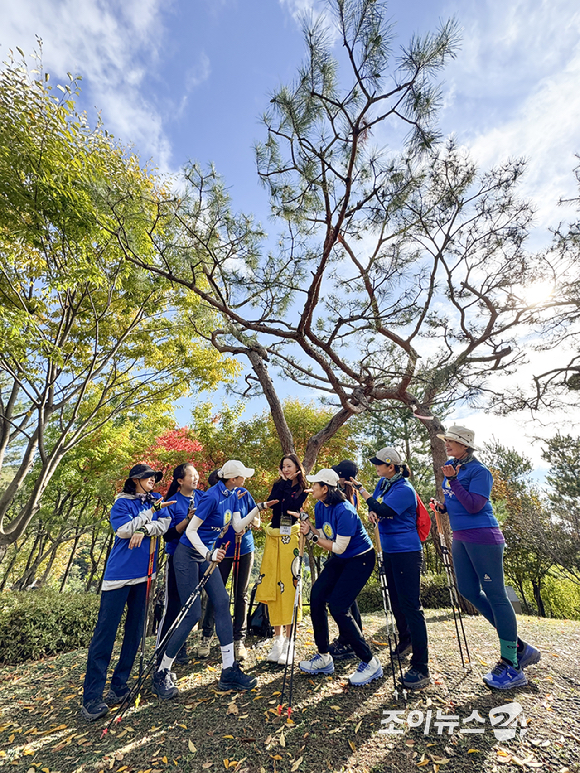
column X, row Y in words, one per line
column 394, row 504
column 338, row 529
column 477, row 549
column 135, row 518
column 183, row 490
column 196, row 548
column 239, row 560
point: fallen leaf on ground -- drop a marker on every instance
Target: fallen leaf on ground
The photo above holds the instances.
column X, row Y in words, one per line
column 191, row 747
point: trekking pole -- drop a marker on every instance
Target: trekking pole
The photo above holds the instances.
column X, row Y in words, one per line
column 297, row 596
column 387, row 606
column 453, row 592
column 134, row 692
column 236, row 572
column 152, row 551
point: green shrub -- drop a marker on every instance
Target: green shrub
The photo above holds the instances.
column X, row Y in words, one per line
column 434, row 591
column 35, row 624
column 370, row 598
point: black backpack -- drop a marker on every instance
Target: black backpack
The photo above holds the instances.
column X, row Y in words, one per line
column 258, row 619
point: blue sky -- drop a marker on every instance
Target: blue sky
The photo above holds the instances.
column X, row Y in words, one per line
column 184, row 79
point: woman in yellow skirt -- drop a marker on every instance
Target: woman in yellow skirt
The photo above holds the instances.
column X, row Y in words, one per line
column 277, row 581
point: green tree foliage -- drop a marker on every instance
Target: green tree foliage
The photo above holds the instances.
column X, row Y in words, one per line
column 520, row 507
column 224, row 434
column 84, row 336
column 398, row 269
column 563, row 454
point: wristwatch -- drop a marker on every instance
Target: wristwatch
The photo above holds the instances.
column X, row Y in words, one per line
column 312, row 537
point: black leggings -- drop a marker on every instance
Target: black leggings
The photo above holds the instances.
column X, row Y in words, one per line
column 337, row 586
column 241, row 581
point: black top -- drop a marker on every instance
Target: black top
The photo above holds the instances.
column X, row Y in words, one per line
column 291, row 497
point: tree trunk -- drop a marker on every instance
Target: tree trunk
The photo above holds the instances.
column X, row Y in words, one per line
column 51, row 560
column 32, row 565
column 439, row 456
column 258, row 359
column 70, row 562
column 9, row 567
column 537, row 588
column 520, row 585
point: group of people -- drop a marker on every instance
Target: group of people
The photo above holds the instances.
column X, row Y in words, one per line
column 205, row 529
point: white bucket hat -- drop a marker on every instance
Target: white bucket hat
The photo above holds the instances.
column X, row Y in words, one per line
column 233, row 469
column 387, row 455
column 461, row 435
column 329, row 477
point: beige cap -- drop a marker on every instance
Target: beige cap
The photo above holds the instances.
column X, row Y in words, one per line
column 461, row 435
column 330, row 477
column 387, row 455
column 233, row 469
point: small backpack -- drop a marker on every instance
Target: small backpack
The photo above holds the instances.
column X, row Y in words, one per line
column 423, row 520
column 258, row 620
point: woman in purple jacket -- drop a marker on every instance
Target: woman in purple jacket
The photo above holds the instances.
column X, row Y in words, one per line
column 478, row 546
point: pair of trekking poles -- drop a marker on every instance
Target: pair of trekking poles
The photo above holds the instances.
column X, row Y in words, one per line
column 396, row 665
column 146, row 668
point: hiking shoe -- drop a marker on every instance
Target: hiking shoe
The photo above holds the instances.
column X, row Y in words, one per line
column 274, row 655
column 114, row 697
column 163, row 685
column 240, row 651
column 204, row 647
column 415, row 679
column 528, row 656
column 94, row 710
column 182, row 658
column 340, row 650
column 403, row 648
column 233, row 678
column 318, row 664
column 287, row 653
column 504, row 677
column 366, row 672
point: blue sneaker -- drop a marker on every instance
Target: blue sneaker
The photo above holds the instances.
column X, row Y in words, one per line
column 504, row 677
column 366, row 672
column 415, row 679
column 319, row 664
column 528, row 656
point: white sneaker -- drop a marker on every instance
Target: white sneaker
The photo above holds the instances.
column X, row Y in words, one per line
column 319, row 664
column 366, row 672
column 274, row 655
column 287, row 653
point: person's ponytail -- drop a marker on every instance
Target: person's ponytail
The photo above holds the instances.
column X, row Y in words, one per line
column 178, row 474
column 403, row 469
column 129, row 487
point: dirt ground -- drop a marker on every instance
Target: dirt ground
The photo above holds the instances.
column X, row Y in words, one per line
column 333, row 726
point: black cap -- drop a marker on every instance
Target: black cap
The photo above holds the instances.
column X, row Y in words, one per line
column 144, row 471
column 346, row 469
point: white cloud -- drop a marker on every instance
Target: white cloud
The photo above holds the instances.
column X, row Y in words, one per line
column 199, row 73
column 115, row 46
column 513, row 91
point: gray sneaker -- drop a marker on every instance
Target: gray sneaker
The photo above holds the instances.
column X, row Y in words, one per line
column 94, row 710
column 113, row 698
column 163, row 685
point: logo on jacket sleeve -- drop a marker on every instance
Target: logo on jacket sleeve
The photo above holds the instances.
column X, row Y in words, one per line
column 328, row 531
